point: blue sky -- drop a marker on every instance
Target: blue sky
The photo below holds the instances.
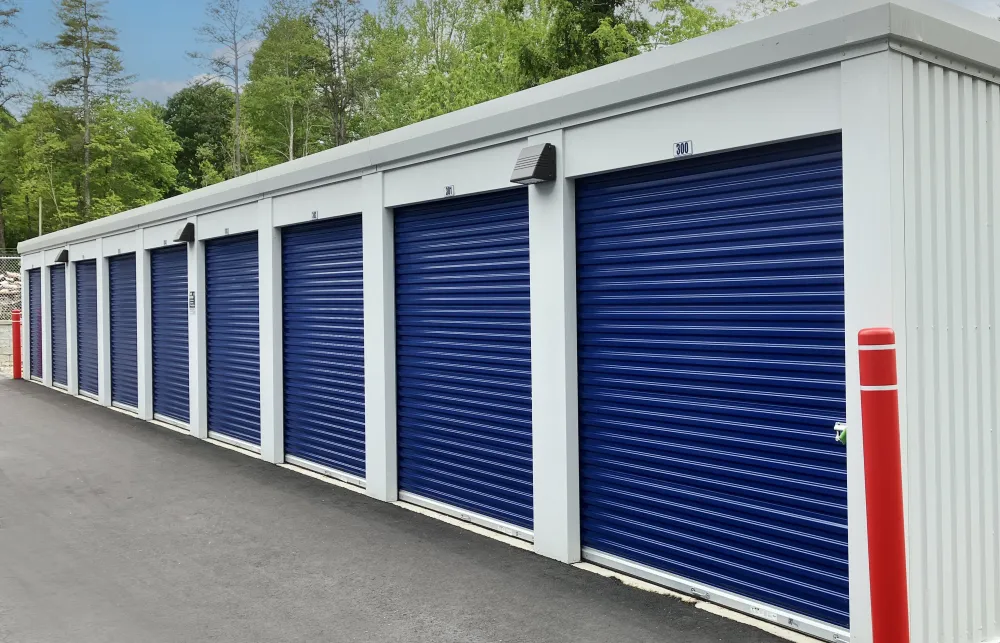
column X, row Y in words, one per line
column 155, row 36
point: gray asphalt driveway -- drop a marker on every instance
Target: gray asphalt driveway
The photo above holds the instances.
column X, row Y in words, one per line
column 114, row 530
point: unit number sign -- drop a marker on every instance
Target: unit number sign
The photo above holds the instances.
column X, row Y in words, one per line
column 683, row 148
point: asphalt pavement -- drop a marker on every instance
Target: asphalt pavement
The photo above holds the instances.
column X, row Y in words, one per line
column 115, row 530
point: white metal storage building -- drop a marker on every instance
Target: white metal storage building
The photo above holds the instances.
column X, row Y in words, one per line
column 639, row 363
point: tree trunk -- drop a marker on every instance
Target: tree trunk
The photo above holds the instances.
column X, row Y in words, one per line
column 236, row 121
column 86, row 111
column 291, row 132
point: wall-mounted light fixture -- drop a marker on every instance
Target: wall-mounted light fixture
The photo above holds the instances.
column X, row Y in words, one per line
column 185, row 234
column 63, row 256
column 535, row 164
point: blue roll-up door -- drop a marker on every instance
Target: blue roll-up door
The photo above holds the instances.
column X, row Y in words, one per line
column 171, row 372
column 711, row 365
column 86, row 326
column 35, row 322
column 324, row 365
column 463, row 357
column 124, row 331
column 233, row 320
column 57, row 321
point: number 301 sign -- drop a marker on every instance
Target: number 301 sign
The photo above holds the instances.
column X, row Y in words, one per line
column 683, row 148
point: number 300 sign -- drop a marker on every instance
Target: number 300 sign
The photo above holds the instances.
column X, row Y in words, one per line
column 683, row 148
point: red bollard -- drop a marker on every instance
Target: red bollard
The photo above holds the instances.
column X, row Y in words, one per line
column 15, row 326
column 883, row 485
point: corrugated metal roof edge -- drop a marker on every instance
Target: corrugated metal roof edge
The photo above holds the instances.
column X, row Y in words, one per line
column 807, row 31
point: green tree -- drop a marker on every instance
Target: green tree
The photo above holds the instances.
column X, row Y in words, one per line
column 40, row 160
column 201, row 118
column 282, row 100
column 486, row 66
column 132, row 163
column 685, row 19
column 434, row 56
column 87, row 51
column 580, row 35
column 134, row 156
column 388, row 71
column 228, row 31
column 338, row 24
column 752, row 9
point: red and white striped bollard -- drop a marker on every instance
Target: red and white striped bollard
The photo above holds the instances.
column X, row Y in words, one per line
column 884, row 485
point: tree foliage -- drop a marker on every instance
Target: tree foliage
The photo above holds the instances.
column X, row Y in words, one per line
column 282, row 99
column 132, row 163
column 228, row 33
column 201, row 118
column 337, row 24
column 303, row 76
column 86, row 50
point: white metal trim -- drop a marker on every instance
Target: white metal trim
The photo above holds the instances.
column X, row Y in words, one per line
column 45, row 275
column 131, row 410
column 233, row 442
column 381, row 471
column 710, row 594
column 167, row 420
column 197, row 341
column 144, row 327
column 270, row 314
column 339, row 198
column 31, row 261
column 467, row 516
column 643, row 137
column 89, row 396
column 242, row 219
column 119, row 243
column 554, row 403
column 72, row 350
column 60, row 387
column 325, row 471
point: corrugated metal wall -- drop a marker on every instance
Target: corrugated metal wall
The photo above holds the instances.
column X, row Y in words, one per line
column 463, row 354
column 124, row 331
column 169, row 307
column 35, row 323
column 57, row 320
column 86, row 325
column 951, row 443
column 324, row 343
column 711, row 354
column 232, row 323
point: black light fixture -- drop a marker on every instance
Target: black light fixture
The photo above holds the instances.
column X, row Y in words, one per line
column 535, row 164
column 63, row 256
column 186, row 234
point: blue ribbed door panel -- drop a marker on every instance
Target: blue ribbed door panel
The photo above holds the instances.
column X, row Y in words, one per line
column 171, row 370
column 463, row 354
column 35, row 322
column 324, row 359
column 86, row 325
column 233, row 320
column 124, row 331
column 57, row 321
column 711, row 366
